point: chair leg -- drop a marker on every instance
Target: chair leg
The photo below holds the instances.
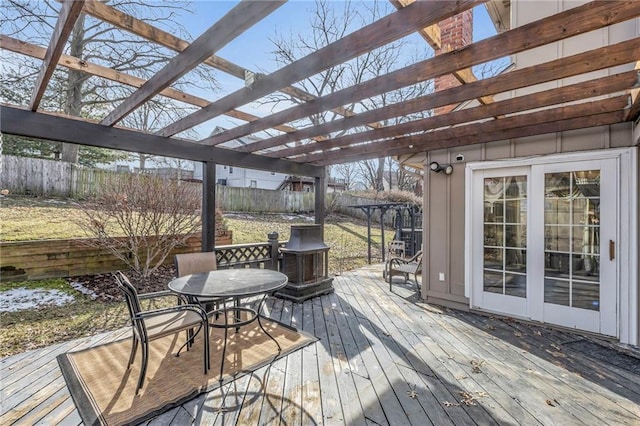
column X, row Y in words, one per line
column 207, row 358
column 224, row 344
column 143, row 367
column 134, row 348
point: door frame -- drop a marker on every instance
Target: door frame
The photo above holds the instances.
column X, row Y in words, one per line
column 626, row 232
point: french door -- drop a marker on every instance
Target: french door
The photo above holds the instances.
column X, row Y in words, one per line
column 545, row 241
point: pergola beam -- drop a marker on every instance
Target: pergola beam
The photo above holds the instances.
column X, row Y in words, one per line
column 597, row 59
column 21, row 122
column 441, row 138
column 67, row 18
column 432, row 35
column 71, row 62
column 575, row 92
column 234, row 23
column 121, row 20
column 379, row 33
column 553, row 126
column 572, row 22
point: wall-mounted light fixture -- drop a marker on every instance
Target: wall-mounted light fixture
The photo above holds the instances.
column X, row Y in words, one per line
column 434, row 166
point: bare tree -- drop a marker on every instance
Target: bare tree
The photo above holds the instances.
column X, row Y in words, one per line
column 140, row 219
column 92, row 40
column 331, row 21
column 348, row 172
column 371, row 173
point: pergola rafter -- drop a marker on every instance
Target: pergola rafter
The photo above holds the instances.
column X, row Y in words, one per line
column 575, row 92
column 234, row 23
column 379, row 33
column 406, row 138
column 66, row 20
column 153, row 34
column 576, row 21
column 522, row 125
column 593, row 60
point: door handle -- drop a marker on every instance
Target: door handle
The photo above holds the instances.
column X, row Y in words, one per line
column 612, row 250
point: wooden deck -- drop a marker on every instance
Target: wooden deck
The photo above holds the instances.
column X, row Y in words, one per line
column 382, row 359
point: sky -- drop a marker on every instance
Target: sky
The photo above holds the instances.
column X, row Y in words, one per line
column 253, row 49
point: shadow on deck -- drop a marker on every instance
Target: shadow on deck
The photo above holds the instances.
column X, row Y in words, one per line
column 382, row 358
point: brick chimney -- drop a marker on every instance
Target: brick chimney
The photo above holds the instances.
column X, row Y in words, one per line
column 455, row 32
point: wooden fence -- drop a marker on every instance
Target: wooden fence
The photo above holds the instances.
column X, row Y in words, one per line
column 38, row 177
column 33, row 176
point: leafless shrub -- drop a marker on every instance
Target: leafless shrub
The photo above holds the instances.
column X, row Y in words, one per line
column 140, row 219
column 332, row 202
column 393, row 196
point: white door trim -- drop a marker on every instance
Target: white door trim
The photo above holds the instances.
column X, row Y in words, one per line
column 627, row 237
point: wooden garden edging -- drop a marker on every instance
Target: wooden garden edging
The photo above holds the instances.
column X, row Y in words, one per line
column 42, row 259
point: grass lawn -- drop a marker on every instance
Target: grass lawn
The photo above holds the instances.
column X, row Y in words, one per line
column 27, row 218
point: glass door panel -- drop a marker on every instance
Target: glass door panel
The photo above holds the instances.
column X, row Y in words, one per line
column 505, row 235
column 572, row 239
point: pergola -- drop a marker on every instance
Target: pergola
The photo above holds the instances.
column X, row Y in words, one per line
column 306, row 151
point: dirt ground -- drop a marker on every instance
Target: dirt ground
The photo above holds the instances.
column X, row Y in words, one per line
column 104, row 286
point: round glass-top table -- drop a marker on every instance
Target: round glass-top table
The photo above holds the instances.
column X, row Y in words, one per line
column 226, row 284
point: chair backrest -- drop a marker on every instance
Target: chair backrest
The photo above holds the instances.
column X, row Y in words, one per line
column 130, row 296
column 193, row 263
column 396, row 248
column 418, row 260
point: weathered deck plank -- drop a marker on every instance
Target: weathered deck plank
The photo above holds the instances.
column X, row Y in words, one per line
column 329, row 394
column 291, row 408
column 311, row 399
column 360, row 359
column 383, row 358
column 546, row 385
column 393, row 338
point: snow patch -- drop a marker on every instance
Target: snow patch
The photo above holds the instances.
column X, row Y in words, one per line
column 82, row 289
column 297, row 217
column 22, row 298
column 239, row 215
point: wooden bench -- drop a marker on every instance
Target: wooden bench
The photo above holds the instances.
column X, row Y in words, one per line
column 404, row 267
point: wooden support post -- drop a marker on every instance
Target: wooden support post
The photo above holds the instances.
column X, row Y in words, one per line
column 320, row 194
column 208, row 206
column 275, row 252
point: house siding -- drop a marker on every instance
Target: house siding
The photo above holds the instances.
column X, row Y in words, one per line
column 444, row 215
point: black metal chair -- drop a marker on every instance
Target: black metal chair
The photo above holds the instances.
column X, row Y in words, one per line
column 194, row 263
column 404, row 267
column 396, row 248
column 153, row 324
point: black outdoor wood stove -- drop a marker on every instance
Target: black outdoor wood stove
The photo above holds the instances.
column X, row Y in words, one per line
column 305, row 260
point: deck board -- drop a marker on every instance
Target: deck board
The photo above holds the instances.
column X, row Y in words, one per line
column 383, row 358
column 547, row 386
